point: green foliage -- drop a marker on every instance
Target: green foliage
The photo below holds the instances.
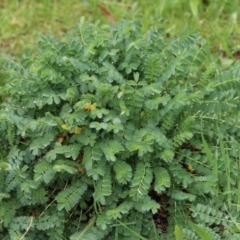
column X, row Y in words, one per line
column 99, row 126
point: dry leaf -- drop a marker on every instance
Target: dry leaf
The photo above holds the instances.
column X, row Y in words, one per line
column 107, row 14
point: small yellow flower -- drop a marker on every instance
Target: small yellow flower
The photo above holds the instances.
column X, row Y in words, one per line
column 76, row 130
column 60, row 139
column 190, row 168
column 65, row 127
column 89, row 106
column 93, row 106
column 71, row 130
column 81, row 170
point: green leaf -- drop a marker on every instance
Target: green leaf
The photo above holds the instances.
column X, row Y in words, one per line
column 122, row 209
column 162, row 179
column 103, row 188
column 111, row 148
column 98, row 170
column 194, row 8
column 152, row 68
column 43, row 171
column 180, row 195
column 141, row 182
column 147, row 204
column 4, row 166
column 99, row 113
column 123, row 172
column 72, row 93
column 142, row 147
column 201, row 231
column 47, row 221
column 178, row 233
column 41, row 143
column 153, row 104
column 15, row 177
column 98, row 126
column 91, row 155
column 68, row 151
column 8, row 211
column 70, row 196
column 64, row 168
column 86, row 137
column 167, row 155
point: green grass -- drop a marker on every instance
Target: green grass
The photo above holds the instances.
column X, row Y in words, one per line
column 22, row 19
column 216, row 20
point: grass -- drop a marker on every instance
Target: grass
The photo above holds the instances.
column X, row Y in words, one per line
column 217, row 21
column 22, row 19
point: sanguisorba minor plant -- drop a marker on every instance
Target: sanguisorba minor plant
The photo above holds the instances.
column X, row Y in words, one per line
column 99, row 127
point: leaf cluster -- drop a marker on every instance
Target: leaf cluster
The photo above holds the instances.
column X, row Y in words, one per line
column 100, row 125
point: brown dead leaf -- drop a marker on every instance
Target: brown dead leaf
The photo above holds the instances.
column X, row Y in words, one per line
column 107, row 14
column 5, row 44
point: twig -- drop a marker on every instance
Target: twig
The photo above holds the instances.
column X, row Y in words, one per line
column 22, row 237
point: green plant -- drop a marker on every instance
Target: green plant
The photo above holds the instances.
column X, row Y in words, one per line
column 97, row 127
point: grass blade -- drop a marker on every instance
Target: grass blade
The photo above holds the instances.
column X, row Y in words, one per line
column 178, row 233
column 201, row 232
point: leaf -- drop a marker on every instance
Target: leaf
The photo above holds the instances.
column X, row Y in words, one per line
column 152, row 67
column 178, row 232
column 71, row 150
column 47, row 221
column 41, row 143
column 15, row 177
column 122, row 209
column 72, row 93
column 167, row 155
column 87, row 137
column 123, row 172
column 133, row 145
column 181, row 138
column 43, row 171
column 99, row 113
column 8, row 211
column 169, row 70
column 110, row 148
column 91, row 155
column 153, row 104
column 141, row 182
column 70, row 196
column 201, row 231
column 162, row 180
column 180, row 195
column 98, row 126
column 103, row 188
column 4, row 166
column 64, row 168
column 194, row 7
column 142, row 147
column 147, row 204
column 98, row 170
